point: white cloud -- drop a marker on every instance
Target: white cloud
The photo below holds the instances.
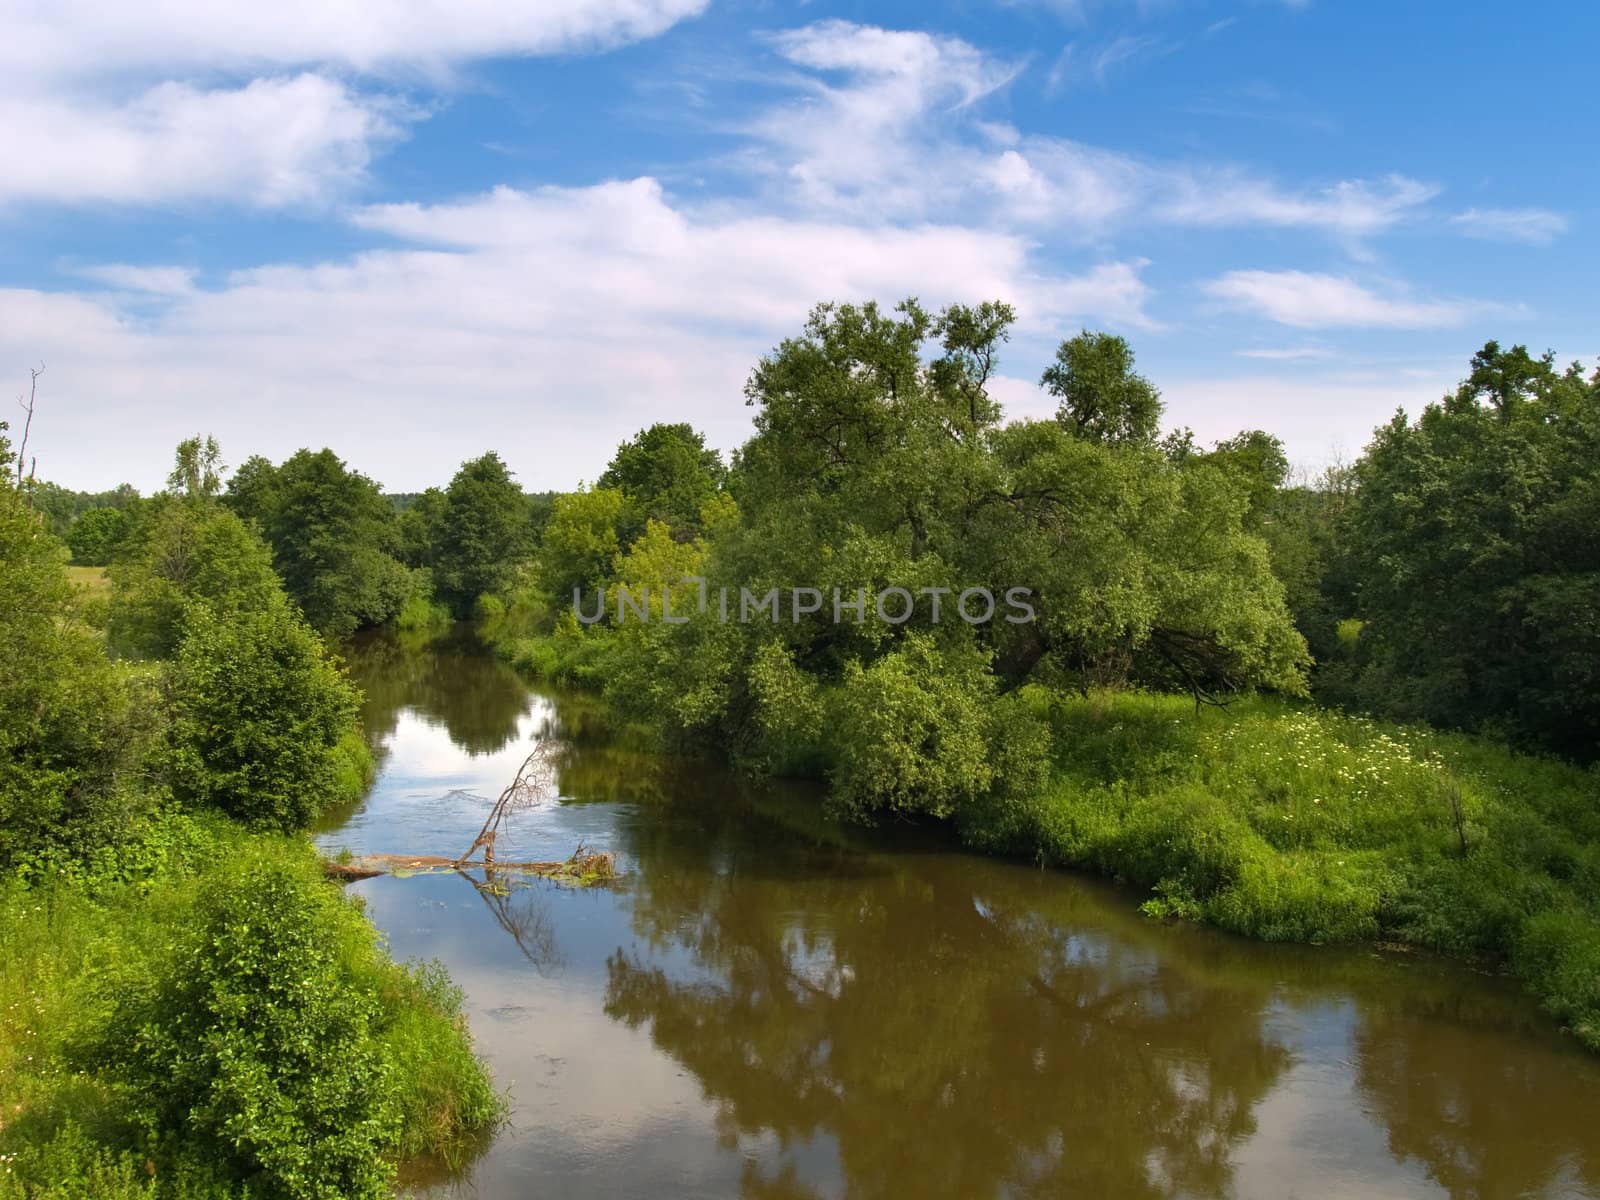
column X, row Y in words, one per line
column 1312, row 301
column 548, row 324
column 159, row 281
column 866, row 142
column 1535, row 226
column 270, row 143
column 154, row 103
column 1352, row 208
column 90, row 38
column 902, row 135
column 1287, row 353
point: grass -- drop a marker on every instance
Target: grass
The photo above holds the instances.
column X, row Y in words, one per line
column 1296, row 824
column 93, row 580
column 85, row 944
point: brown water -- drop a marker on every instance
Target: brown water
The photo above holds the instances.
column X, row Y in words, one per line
column 766, row 1006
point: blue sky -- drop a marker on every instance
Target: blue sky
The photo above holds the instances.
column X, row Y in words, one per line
column 415, row 231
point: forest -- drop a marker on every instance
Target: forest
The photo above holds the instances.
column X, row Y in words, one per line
column 1363, row 706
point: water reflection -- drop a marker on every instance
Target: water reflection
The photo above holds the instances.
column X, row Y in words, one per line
column 442, row 678
column 767, row 1006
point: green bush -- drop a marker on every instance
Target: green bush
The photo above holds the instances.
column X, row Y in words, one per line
column 257, row 1038
column 261, row 720
column 911, row 731
column 191, row 1013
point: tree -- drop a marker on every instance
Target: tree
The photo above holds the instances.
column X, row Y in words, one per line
column 880, row 461
column 197, row 468
column 1258, row 460
column 667, row 474
column 176, row 553
column 72, row 729
column 420, row 528
column 484, row 532
column 94, row 537
column 580, row 542
column 1472, row 546
column 332, row 534
column 1101, row 398
column 258, row 716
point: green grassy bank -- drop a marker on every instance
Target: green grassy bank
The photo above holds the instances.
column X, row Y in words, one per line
column 196, row 1013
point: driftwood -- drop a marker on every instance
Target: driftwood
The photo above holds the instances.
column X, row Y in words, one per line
column 535, row 782
column 585, row 865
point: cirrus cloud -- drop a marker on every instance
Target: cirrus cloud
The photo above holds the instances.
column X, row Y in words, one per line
column 1306, row 300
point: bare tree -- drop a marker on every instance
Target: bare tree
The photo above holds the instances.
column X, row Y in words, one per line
column 27, row 427
column 535, row 783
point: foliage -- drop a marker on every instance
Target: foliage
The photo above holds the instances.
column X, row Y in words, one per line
column 910, row 731
column 483, row 532
column 180, row 552
column 253, row 1040
column 667, row 474
column 261, row 720
column 200, row 1016
column 580, row 541
column 1474, row 549
column 63, row 507
column 72, row 726
column 333, row 537
column 197, row 469
column 95, row 536
column 1101, row 398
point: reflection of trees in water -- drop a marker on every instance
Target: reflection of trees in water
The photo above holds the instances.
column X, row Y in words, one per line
column 951, row 1043
column 518, row 909
column 1485, row 1125
column 449, row 679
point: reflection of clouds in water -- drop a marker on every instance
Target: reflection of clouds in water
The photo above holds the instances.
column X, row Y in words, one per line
column 1312, row 1129
column 421, row 751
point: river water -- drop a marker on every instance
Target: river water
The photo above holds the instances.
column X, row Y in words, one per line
column 766, row 1006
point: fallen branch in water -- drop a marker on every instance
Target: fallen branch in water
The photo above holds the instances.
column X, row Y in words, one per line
column 585, row 866
column 535, row 782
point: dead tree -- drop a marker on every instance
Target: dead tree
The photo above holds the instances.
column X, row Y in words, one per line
column 535, row 783
column 22, row 448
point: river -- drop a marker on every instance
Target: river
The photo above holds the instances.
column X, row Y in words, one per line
column 766, row 1006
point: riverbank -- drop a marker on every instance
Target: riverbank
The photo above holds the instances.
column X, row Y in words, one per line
column 197, row 1014
column 1285, row 822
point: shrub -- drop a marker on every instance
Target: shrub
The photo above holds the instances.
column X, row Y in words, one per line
column 912, row 731
column 259, row 716
column 257, row 1040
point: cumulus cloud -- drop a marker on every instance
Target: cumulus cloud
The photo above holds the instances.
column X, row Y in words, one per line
column 546, row 323
column 1312, row 301
column 145, row 104
column 89, row 38
column 273, row 142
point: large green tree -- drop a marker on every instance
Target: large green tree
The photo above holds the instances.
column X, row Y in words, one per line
column 484, row 531
column 1101, row 397
column 880, row 461
column 1474, row 547
column 667, row 473
column 333, row 537
column 71, row 726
